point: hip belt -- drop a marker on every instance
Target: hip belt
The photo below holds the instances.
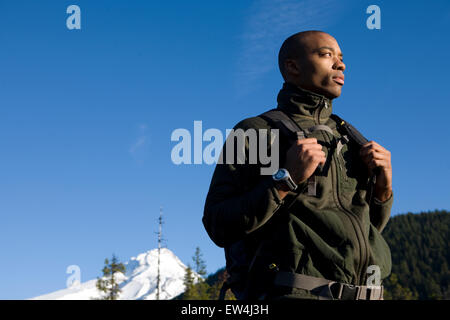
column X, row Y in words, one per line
column 327, row 289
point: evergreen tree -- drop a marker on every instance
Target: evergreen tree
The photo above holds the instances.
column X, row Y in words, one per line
column 199, row 263
column 420, row 256
column 201, row 291
column 397, row 291
column 201, row 288
column 196, row 288
column 188, row 284
column 107, row 284
column 216, row 282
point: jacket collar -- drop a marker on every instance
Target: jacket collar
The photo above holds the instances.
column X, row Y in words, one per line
column 298, row 101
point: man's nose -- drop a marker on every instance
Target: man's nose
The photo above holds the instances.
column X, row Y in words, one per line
column 339, row 65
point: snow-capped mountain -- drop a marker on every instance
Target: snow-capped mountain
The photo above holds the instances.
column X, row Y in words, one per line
column 138, row 282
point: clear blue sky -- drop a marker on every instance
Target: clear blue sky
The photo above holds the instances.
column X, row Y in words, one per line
column 86, row 116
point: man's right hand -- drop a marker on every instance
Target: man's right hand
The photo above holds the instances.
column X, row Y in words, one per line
column 302, row 160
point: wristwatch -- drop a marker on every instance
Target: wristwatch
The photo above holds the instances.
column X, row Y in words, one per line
column 283, row 176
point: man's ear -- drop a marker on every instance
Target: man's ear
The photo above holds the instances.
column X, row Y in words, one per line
column 292, row 67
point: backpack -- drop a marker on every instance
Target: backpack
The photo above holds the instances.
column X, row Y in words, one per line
column 240, row 255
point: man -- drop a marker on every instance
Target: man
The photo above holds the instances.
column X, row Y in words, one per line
column 315, row 233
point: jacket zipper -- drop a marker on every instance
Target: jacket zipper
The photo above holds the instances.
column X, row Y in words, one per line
column 363, row 247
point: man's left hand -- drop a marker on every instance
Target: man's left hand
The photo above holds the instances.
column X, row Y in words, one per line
column 374, row 155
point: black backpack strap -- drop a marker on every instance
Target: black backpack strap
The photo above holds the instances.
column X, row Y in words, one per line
column 283, row 122
column 357, row 137
column 289, row 128
column 350, row 130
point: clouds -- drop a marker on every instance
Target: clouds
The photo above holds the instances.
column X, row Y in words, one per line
column 268, row 24
column 139, row 147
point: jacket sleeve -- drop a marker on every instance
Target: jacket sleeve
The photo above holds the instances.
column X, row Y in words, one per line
column 380, row 212
column 239, row 201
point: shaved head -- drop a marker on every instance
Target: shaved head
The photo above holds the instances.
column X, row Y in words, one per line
column 313, row 60
column 295, row 47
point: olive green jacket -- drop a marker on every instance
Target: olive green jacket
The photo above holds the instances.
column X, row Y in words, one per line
column 335, row 234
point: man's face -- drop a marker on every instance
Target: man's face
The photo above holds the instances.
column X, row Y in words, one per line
column 320, row 68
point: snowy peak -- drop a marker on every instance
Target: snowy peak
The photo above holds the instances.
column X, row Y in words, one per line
column 139, row 281
column 142, row 272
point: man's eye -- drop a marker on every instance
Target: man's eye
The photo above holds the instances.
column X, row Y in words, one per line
column 325, row 54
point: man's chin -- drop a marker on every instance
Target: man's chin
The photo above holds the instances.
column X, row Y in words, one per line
column 331, row 92
column 332, row 95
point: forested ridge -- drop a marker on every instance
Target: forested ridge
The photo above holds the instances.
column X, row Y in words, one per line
column 420, row 256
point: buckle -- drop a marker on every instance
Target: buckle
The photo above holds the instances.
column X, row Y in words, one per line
column 374, row 293
column 350, row 292
column 345, row 291
column 335, row 289
column 358, row 292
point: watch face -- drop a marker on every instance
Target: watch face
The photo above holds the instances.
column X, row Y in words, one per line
column 279, row 174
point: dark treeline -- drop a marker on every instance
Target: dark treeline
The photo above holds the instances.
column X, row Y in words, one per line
column 420, row 258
